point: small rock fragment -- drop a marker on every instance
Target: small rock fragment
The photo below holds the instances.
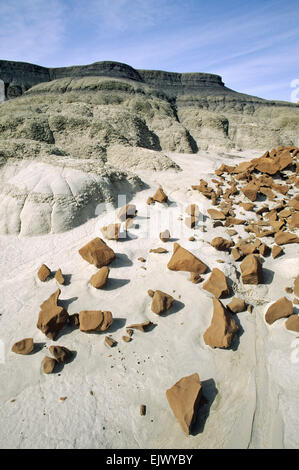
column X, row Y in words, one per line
column 127, row 339
column 24, row 346
column 110, row 341
column 99, row 279
column 160, row 196
column 158, row 250
column 292, row 323
column 164, row 236
column 276, row 251
column 49, row 365
column 221, row 244
column 43, row 273
column 111, row 231
column 59, row 277
column 195, row 278
column 141, row 326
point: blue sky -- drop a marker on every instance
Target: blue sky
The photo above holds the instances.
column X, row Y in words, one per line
column 253, row 45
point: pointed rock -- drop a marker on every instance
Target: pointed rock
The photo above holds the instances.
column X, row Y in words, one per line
column 280, row 309
column 141, row 326
column 99, row 279
column 164, row 236
column 252, row 271
column 184, row 400
column 95, row 320
column 52, row 318
column 43, row 273
column 216, row 284
column 195, row 278
column 24, row 346
column 111, row 231
column 216, row 215
column 222, row 328
column 237, row 305
column 160, row 196
column 276, row 251
column 183, row 260
column 97, row 252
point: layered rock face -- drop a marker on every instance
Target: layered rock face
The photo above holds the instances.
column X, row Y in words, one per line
column 203, row 112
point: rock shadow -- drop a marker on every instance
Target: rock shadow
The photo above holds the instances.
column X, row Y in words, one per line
column 268, row 275
column 125, row 236
column 175, row 308
column 236, row 339
column 209, row 393
column 113, row 283
column 121, row 260
column 38, row 347
column 66, row 302
column 60, row 365
column 67, row 279
column 117, row 324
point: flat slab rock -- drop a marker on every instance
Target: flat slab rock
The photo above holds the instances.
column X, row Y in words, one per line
column 97, row 252
column 280, row 309
column 24, row 346
column 184, row 400
column 183, row 260
column 95, row 320
column 222, row 328
column 52, row 318
column 141, row 326
column 216, row 284
column 221, row 244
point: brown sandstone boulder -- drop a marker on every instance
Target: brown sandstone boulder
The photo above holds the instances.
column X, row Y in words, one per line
column 183, row 260
column 296, row 286
column 59, row 277
column 62, row 355
column 222, row 328
column 95, row 320
column 221, row 244
column 247, row 206
column 110, row 341
column 280, row 309
column 97, row 252
column 24, row 346
column 237, row 305
column 52, row 318
column 127, row 212
column 161, row 302
column 252, row 271
column 99, row 279
column 216, row 215
column 216, row 284
column 267, row 165
column 292, row 323
column 164, row 236
column 160, row 196
column 184, row 399
column 43, row 273
column 49, row 365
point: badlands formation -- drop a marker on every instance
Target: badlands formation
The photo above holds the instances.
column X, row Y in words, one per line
column 150, row 275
